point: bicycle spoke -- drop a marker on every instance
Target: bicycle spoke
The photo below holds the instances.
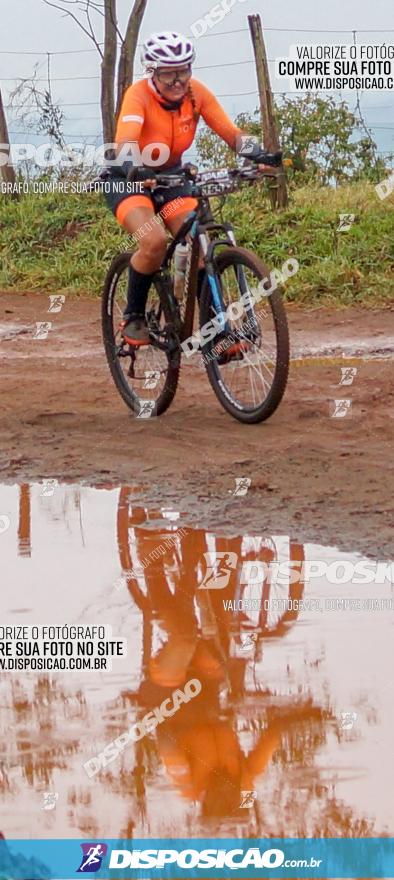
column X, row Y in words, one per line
column 143, row 370
column 250, row 366
column 250, row 379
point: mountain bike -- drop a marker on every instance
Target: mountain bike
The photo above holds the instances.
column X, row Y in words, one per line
column 264, row 607
column 243, row 340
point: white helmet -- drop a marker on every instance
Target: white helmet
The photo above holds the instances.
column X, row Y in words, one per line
column 167, row 49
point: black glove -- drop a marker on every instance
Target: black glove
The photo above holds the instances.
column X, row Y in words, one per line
column 272, row 159
column 250, row 149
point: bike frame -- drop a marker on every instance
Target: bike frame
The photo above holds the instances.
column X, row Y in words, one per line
column 197, row 226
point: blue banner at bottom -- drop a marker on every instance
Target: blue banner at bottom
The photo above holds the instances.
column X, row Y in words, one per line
column 205, row 858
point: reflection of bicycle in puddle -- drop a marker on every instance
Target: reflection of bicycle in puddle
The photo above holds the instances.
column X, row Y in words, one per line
column 231, row 576
column 182, row 580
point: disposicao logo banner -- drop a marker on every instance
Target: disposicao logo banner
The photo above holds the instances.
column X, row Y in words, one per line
column 221, row 858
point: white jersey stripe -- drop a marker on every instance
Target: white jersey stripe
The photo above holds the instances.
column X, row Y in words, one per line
column 132, row 118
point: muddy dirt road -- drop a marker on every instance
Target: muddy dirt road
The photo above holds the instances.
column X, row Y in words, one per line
column 325, row 479
column 294, row 707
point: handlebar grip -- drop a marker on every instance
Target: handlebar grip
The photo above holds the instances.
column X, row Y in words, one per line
column 255, row 152
column 272, row 159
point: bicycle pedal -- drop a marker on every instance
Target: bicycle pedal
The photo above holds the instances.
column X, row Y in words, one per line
column 226, row 357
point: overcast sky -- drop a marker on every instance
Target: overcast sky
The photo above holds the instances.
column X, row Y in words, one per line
column 31, row 26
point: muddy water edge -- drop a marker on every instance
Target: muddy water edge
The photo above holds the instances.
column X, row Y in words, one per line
column 295, row 702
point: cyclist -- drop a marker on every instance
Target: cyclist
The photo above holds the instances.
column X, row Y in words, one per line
column 162, row 109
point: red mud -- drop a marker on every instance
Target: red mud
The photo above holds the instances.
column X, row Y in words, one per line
column 328, row 480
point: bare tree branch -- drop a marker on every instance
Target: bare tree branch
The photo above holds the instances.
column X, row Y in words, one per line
column 36, row 109
column 127, row 53
column 107, row 9
column 101, row 11
column 78, row 22
column 89, row 21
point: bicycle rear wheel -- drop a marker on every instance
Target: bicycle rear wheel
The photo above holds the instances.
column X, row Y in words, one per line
column 251, row 385
column 146, row 378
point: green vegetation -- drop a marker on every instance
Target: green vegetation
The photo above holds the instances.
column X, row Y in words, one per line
column 58, row 242
column 324, row 139
column 336, row 268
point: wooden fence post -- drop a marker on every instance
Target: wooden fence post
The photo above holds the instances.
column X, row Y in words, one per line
column 7, row 172
column 278, row 193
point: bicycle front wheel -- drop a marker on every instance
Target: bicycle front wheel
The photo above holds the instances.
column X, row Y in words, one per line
column 248, row 361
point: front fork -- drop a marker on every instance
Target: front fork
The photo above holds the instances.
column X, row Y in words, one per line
column 207, row 249
column 240, row 274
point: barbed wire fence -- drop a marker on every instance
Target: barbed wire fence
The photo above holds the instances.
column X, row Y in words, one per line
column 49, row 57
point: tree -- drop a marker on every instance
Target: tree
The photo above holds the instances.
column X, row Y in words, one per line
column 321, row 137
column 115, row 77
column 128, row 50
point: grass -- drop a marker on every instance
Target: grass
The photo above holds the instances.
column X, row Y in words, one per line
column 64, row 243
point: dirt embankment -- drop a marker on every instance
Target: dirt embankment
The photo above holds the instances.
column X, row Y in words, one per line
column 321, row 478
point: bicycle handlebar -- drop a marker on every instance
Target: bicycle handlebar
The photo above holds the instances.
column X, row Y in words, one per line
column 225, row 180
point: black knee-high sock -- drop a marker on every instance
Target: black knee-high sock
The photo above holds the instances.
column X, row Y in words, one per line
column 137, row 292
column 200, row 282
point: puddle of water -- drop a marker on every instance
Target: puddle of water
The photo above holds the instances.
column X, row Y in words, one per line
column 22, row 334
column 383, row 347
column 12, row 331
column 295, row 706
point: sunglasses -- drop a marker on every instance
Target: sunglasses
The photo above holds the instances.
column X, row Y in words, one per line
column 169, row 78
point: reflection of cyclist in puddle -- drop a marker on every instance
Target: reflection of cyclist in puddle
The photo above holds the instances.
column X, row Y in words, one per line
column 199, row 745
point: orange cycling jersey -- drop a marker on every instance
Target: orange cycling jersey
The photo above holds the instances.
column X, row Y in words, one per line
column 144, row 120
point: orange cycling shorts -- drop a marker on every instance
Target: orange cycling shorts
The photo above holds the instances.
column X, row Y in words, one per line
column 166, row 202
